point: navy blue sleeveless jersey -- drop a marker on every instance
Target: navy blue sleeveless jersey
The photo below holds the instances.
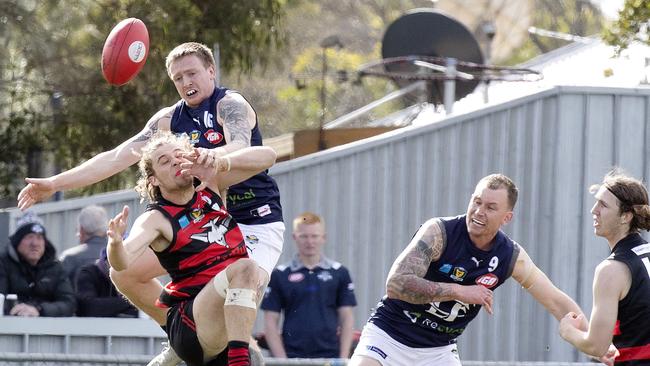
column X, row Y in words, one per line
column 632, row 332
column 206, row 240
column 257, row 199
column 440, row 323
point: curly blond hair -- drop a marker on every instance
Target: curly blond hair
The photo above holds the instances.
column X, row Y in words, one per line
column 143, row 186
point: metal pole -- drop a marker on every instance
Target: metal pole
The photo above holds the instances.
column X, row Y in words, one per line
column 450, row 85
column 323, row 96
column 217, row 62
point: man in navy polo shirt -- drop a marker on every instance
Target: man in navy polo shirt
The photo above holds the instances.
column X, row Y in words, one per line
column 316, row 295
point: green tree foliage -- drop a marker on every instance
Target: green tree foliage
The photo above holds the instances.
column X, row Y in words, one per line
column 290, row 99
column 575, row 17
column 631, row 25
column 53, row 97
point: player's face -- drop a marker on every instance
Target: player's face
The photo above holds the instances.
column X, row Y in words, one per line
column 166, row 161
column 32, row 248
column 607, row 220
column 193, row 81
column 488, row 209
column 309, row 239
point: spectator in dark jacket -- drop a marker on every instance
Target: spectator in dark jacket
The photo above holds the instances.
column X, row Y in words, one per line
column 29, row 269
column 96, row 294
column 91, row 229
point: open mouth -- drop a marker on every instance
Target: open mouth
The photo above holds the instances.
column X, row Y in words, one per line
column 191, row 92
column 478, row 222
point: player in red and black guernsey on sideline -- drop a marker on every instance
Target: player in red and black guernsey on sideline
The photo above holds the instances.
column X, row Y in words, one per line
column 218, row 121
column 211, row 301
column 621, row 304
column 449, row 270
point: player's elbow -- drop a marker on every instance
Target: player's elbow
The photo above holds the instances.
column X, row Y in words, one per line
column 269, row 156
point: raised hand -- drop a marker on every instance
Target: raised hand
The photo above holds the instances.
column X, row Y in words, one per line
column 36, row 190
column 117, row 226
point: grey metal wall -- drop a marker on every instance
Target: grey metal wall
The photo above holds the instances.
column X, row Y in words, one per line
column 375, row 193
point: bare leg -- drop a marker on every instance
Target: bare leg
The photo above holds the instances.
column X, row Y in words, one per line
column 239, row 319
column 212, row 317
column 139, row 285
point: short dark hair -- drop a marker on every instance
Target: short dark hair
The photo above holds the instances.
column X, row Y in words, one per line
column 500, row 181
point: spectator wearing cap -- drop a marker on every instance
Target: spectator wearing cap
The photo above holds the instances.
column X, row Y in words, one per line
column 91, row 229
column 96, row 295
column 29, row 269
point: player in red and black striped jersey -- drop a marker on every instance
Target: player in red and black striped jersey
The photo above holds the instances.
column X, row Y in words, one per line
column 621, row 304
column 211, row 301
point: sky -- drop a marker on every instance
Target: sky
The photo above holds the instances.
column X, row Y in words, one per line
column 610, row 7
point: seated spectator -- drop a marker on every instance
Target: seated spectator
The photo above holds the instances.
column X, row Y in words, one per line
column 316, row 295
column 29, row 269
column 91, row 229
column 96, row 295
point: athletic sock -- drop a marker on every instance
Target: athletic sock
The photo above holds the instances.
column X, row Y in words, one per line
column 238, row 354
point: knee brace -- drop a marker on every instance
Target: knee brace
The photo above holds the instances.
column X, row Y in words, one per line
column 221, row 283
column 241, row 297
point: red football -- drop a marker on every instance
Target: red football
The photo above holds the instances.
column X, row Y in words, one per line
column 125, row 51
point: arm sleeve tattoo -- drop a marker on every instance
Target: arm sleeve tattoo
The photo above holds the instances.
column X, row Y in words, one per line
column 151, row 128
column 234, row 113
column 406, row 279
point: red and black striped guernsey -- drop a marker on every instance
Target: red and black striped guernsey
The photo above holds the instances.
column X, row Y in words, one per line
column 206, row 240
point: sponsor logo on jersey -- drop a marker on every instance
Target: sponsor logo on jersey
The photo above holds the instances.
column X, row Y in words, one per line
column 458, row 273
column 252, row 239
column 378, row 351
column 445, row 268
column 213, row 136
column 488, row 280
column 296, row 277
column 195, row 135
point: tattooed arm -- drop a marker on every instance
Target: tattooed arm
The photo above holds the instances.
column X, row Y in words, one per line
column 406, row 280
column 238, row 118
column 98, row 168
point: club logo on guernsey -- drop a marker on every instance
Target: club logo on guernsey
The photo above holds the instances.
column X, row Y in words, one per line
column 487, row 280
column 215, row 233
column 197, row 214
column 194, row 136
column 213, row 136
column 458, row 274
column 325, row 276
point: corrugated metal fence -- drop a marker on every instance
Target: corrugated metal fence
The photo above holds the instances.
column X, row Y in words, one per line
column 375, row 193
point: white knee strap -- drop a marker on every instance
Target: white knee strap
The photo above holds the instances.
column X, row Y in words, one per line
column 221, row 283
column 242, row 297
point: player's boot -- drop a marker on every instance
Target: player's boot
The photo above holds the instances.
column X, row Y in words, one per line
column 166, row 357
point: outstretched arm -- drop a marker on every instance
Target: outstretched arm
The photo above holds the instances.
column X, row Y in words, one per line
column 230, row 169
column 406, row 277
column 144, row 231
column 611, row 283
column 98, row 168
column 531, row 278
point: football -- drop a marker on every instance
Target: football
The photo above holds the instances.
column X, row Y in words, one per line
column 125, row 51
